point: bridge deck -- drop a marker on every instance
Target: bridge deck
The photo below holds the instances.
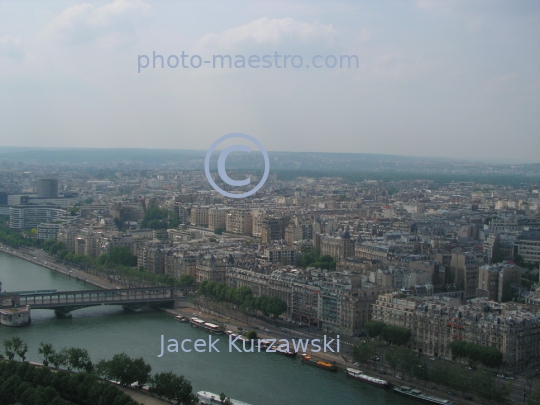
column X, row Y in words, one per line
column 84, row 298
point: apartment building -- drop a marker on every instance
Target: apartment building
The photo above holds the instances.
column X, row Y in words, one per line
column 339, row 247
column 217, row 217
column 434, row 322
column 199, row 216
column 239, row 221
column 528, row 246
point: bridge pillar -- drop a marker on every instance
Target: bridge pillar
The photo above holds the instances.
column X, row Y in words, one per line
column 62, row 313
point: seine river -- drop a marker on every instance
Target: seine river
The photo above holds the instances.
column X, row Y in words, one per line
column 255, row 378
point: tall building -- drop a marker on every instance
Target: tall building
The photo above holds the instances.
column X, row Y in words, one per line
column 47, row 188
column 528, row 246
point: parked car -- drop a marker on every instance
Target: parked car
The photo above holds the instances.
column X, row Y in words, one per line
column 451, row 393
column 433, row 387
column 267, row 330
column 501, row 376
column 469, row 397
column 240, row 329
column 357, row 364
column 399, row 377
column 255, row 327
column 284, row 330
column 509, row 378
column 382, row 371
column 432, row 358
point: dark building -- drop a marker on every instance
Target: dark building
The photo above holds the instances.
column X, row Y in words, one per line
column 47, row 188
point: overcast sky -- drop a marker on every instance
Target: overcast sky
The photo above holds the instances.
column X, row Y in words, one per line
column 435, row 78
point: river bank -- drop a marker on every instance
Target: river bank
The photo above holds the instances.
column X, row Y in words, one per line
column 40, row 258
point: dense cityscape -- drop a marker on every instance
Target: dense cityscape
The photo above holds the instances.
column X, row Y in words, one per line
column 447, row 261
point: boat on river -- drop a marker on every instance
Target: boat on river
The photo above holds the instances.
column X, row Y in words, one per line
column 210, row 398
column 288, row 353
column 359, row 375
column 181, row 318
column 325, row 365
column 210, row 327
column 421, row 396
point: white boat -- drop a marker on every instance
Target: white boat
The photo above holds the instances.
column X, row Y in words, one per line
column 199, row 323
column 210, row 398
column 359, row 375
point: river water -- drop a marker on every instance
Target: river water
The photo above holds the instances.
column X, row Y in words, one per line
column 255, row 378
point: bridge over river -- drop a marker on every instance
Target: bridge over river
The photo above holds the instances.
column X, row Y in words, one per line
column 66, row 301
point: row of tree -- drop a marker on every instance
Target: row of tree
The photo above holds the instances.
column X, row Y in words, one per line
column 475, row 353
column 38, row 385
column 392, row 334
column 405, row 361
column 243, row 298
column 29, row 385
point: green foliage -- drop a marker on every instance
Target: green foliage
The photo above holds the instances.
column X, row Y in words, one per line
column 243, row 297
column 122, row 256
column 78, row 359
column 15, row 346
column 27, row 384
column 485, row 385
column 47, row 352
column 224, row 400
column 173, row 387
column 488, row 356
column 374, row 328
column 396, row 335
column 392, row 334
column 251, row 335
column 362, row 352
column 125, row 370
column 156, row 218
column 185, row 280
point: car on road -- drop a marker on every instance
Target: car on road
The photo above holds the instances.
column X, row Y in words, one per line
column 240, row 329
column 255, row 327
column 509, row 378
column 399, row 377
column 432, row 358
column 501, row 376
column 451, row 393
column 357, row 364
column 284, row 330
column 382, row 371
column 215, row 320
column 267, row 330
column 469, row 397
column 433, row 387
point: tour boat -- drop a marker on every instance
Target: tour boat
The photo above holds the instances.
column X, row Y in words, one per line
column 210, row 327
column 325, row 365
column 417, row 394
column 181, row 318
column 359, row 375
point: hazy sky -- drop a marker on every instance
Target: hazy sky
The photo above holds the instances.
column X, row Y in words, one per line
column 435, row 78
